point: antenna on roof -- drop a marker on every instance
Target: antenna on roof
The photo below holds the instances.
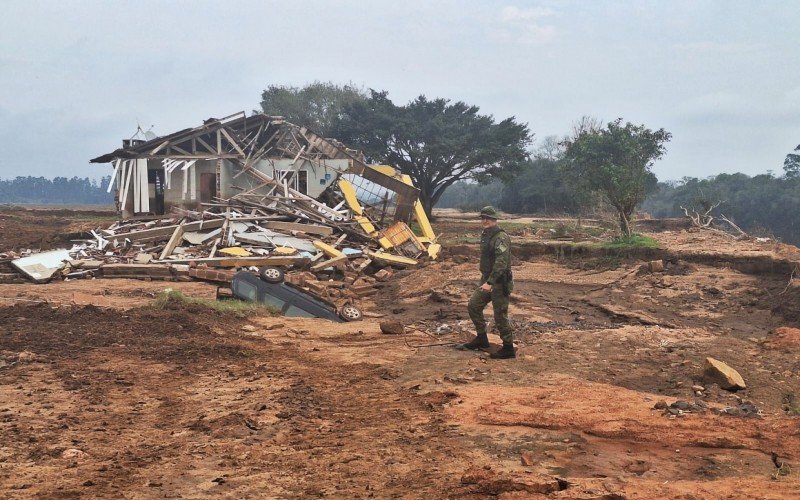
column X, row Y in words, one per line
column 140, row 132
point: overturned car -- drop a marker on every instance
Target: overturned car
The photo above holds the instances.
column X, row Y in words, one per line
column 269, row 288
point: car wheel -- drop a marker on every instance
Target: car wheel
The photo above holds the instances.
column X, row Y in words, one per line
column 271, row 274
column 350, row 313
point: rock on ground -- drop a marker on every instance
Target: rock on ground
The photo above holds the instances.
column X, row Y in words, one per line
column 725, row 376
column 392, row 327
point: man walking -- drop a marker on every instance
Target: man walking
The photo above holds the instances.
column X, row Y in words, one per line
column 496, row 286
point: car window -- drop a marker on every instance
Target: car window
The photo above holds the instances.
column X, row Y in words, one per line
column 299, row 313
column 245, row 290
column 273, row 301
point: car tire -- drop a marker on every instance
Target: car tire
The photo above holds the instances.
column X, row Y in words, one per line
column 271, row 274
column 350, row 313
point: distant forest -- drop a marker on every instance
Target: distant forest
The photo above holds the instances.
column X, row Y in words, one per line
column 763, row 205
column 57, row 191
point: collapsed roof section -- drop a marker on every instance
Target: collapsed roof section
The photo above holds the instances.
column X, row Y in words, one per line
column 243, row 141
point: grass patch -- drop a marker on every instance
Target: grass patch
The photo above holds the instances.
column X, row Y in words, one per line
column 173, row 299
column 514, row 226
column 632, row 241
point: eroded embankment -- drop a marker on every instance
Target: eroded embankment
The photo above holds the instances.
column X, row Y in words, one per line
column 747, row 264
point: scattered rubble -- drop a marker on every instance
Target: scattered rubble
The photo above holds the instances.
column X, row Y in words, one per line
column 745, row 409
column 725, row 376
column 681, row 407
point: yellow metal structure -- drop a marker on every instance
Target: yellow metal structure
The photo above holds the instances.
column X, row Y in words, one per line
column 399, row 233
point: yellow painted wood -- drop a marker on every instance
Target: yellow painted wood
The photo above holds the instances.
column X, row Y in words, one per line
column 419, row 214
column 284, row 251
column 349, row 192
column 235, row 251
column 365, row 224
column 433, row 250
column 385, row 243
column 327, row 249
column 392, row 259
column 385, row 169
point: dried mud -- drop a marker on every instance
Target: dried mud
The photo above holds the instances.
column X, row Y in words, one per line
column 102, row 395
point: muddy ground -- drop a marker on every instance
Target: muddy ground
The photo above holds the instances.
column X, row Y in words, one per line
column 102, row 394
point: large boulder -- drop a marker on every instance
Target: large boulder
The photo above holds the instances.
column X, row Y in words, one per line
column 725, row 376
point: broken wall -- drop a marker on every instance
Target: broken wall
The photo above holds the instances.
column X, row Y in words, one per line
column 319, row 176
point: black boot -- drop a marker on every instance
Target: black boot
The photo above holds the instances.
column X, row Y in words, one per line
column 479, row 342
column 505, row 352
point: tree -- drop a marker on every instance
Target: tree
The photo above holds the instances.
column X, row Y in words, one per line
column 435, row 142
column 616, row 161
column 763, row 205
column 317, row 106
column 791, row 165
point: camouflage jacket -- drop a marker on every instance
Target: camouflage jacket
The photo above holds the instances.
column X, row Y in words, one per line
column 495, row 255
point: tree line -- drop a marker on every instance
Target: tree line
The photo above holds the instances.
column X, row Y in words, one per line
column 439, row 143
column 763, row 205
column 56, row 191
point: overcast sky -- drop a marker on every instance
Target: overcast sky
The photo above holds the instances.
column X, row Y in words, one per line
column 724, row 77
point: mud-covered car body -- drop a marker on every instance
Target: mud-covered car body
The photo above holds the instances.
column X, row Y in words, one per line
column 285, row 297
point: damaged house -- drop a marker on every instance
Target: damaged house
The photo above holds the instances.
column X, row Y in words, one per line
column 264, row 167
column 249, row 193
column 222, row 158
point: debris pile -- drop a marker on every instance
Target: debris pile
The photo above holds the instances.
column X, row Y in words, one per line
column 332, row 251
column 258, row 193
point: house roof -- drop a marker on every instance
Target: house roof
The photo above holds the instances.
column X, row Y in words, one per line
column 244, row 139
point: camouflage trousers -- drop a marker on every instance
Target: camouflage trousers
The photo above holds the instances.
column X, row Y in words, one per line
column 499, row 301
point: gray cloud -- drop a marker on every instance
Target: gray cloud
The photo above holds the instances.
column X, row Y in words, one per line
column 76, row 77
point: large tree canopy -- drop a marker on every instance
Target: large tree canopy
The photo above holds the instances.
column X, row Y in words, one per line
column 616, row 161
column 318, row 105
column 436, row 142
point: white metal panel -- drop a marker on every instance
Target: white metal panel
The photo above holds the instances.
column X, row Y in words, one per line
column 114, row 175
column 144, row 191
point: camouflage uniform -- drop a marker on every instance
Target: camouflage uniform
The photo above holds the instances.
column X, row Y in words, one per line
column 495, row 269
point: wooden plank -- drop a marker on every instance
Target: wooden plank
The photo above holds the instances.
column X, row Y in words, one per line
column 328, row 263
column 349, row 193
column 243, row 261
column 172, row 243
column 391, row 259
column 205, row 144
column 160, row 147
column 294, row 226
column 327, row 249
column 180, row 150
column 165, row 231
column 231, row 141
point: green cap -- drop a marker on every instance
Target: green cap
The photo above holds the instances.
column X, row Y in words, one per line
column 489, row 212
